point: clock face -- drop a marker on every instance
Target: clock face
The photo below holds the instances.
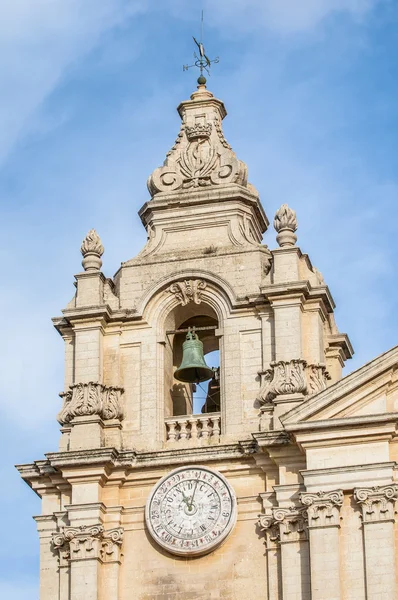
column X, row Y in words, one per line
column 191, row 511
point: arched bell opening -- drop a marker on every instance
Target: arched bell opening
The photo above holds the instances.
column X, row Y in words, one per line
column 191, row 397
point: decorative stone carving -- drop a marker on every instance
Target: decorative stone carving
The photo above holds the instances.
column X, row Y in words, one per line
column 317, row 376
column 81, row 543
column 271, row 528
column 92, row 250
column 86, row 399
column 291, row 522
column 285, row 223
column 284, row 377
column 323, row 508
column 201, row 156
column 291, row 377
column 112, row 541
column 189, row 290
column 377, row 503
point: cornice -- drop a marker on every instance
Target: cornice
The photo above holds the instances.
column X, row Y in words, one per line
column 343, row 423
column 345, row 386
column 293, row 288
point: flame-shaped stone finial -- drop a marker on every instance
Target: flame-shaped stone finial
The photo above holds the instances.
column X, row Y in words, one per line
column 285, row 223
column 92, row 250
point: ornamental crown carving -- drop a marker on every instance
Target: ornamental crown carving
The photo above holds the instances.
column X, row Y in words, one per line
column 87, row 399
column 199, row 130
column 201, row 156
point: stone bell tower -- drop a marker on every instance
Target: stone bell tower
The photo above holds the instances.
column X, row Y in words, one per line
column 140, row 472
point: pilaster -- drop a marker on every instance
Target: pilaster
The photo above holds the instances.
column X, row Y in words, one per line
column 288, row 528
column 323, row 510
column 378, row 518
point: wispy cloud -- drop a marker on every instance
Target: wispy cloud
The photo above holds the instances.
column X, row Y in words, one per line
column 38, row 42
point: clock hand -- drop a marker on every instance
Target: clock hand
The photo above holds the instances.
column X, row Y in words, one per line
column 190, row 504
column 184, row 498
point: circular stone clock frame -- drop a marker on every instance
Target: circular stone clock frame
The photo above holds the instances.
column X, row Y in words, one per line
column 191, row 511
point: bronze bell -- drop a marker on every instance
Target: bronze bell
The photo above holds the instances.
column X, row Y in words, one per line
column 193, row 368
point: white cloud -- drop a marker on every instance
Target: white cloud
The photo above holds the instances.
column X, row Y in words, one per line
column 38, row 41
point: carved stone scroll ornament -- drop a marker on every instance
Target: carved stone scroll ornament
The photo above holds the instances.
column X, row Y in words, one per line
column 284, row 377
column 377, row 503
column 92, row 250
column 291, row 377
column 323, row 508
column 81, row 543
column 285, row 224
column 291, row 521
column 86, row 399
column 189, row 290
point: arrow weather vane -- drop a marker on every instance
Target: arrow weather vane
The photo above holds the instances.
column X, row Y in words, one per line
column 202, row 61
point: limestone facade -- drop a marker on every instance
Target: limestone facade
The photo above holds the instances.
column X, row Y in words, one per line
column 311, row 456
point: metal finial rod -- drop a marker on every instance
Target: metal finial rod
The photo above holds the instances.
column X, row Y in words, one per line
column 202, row 62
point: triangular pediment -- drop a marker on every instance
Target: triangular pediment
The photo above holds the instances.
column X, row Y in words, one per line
column 370, row 390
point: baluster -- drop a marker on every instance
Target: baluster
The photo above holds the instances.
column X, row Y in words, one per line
column 205, row 426
column 172, row 431
column 184, row 433
column 216, row 426
column 194, row 429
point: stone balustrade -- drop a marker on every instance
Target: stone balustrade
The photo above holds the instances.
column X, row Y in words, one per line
column 193, row 427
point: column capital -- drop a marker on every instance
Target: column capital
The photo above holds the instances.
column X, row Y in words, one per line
column 377, row 503
column 88, row 542
column 323, row 508
column 285, row 524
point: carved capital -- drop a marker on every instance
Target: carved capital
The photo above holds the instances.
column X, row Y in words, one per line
column 285, row 524
column 92, row 250
column 188, row 290
column 112, row 541
column 271, row 528
column 291, row 377
column 86, row 399
column 377, row 503
column 323, row 508
column 84, row 542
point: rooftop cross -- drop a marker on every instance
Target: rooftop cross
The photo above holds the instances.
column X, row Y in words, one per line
column 202, row 61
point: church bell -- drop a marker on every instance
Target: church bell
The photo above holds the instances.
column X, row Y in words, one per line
column 193, row 367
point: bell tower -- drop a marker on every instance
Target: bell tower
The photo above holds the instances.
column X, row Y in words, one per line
column 160, row 476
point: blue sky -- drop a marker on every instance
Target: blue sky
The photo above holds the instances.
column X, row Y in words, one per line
column 87, row 111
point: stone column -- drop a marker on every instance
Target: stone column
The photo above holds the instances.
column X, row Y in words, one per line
column 273, row 553
column 378, row 517
column 111, row 558
column 49, row 574
column 294, row 556
column 94, row 559
column 323, row 525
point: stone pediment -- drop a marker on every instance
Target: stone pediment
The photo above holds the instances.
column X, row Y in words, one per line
column 369, row 391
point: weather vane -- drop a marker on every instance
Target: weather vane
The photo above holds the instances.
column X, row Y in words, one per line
column 202, row 61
